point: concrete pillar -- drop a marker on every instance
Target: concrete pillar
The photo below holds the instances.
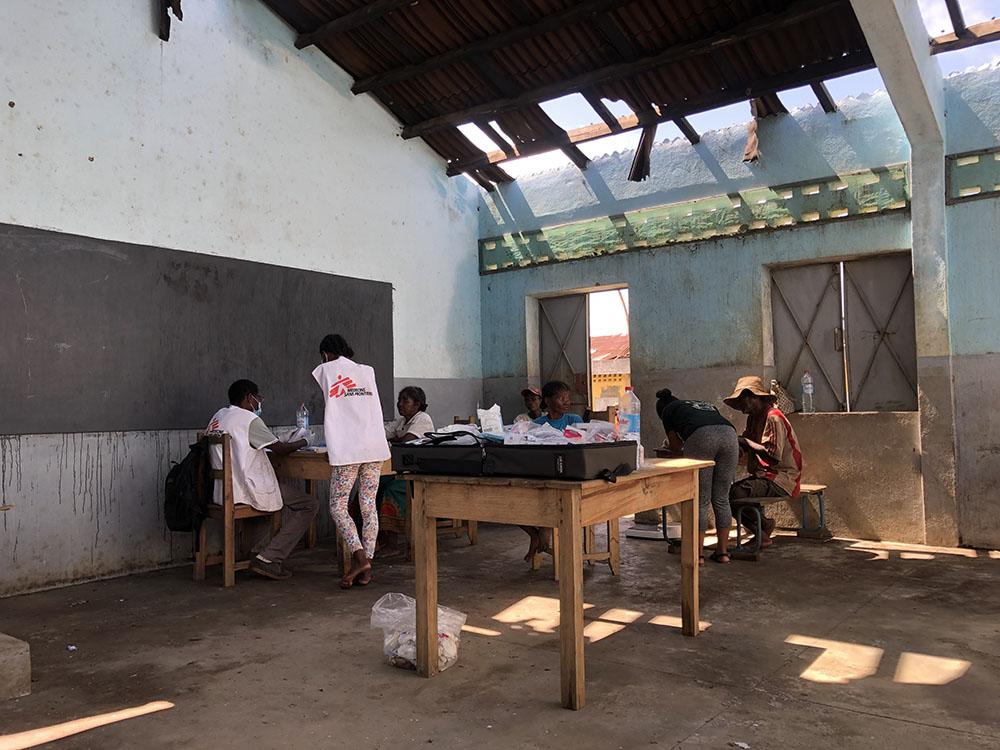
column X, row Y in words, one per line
column 899, row 42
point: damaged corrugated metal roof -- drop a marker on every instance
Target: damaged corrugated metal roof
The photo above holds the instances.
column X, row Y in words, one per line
column 438, row 64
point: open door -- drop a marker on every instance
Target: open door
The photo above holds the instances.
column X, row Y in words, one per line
column 564, row 345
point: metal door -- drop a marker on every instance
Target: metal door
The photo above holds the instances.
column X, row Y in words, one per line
column 881, row 334
column 806, row 319
column 565, row 345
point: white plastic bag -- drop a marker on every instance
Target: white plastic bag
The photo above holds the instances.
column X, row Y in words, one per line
column 491, row 421
column 396, row 615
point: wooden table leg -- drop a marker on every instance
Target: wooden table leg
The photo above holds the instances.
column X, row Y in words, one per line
column 614, row 545
column 311, row 533
column 689, row 563
column 425, row 565
column 569, row 564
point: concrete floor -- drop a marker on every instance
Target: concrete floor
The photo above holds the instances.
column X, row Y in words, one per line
column 818, row 645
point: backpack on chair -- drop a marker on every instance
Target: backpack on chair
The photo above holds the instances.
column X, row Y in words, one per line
column 186, row 490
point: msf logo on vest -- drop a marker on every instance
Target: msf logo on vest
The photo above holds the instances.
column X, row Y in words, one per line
column 344, row 387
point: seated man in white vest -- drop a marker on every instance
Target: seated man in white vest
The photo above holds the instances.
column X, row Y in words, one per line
column 254, row 481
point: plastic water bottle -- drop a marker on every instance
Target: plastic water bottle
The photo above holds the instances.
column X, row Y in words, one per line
column 302, row 417
column 628, row 418
column 807, row 392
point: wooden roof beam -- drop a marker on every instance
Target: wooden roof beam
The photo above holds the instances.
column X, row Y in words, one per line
column 957, row 21
column 574, row 14
column 485, row 184
column 355, row 19
column 502, row 143
column 598, row 105
column 688, row 130
column 792, row 79
column 640, row 162
column 979, row 33
column 760, row 24
column 823, row 95
column 575, row 154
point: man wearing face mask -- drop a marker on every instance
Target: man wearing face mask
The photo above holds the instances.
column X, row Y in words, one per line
column 254, row 481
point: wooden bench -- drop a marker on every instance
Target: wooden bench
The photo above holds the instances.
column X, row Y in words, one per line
column 753, row 506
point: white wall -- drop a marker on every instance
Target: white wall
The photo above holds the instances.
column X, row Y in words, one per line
column 225, row 141
column 229, row 141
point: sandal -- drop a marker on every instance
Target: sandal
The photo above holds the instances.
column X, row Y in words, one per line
column 721, row 557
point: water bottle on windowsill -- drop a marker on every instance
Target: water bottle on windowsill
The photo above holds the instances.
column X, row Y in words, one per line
column 807, row 393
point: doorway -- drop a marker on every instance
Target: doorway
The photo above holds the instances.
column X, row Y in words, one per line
column 584, row 342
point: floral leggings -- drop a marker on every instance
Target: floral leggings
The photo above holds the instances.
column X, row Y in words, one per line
column 341, row 483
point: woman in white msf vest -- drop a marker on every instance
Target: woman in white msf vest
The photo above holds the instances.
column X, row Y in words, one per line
column 356, row 446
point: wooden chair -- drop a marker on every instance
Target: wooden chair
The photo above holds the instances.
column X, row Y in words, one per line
column 591, row 554
column 230, row 514
column 605, row 415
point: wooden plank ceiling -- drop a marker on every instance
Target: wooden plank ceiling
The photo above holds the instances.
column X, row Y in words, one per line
column 437, row 64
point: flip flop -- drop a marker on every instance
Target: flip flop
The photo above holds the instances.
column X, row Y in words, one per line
column 717, row 557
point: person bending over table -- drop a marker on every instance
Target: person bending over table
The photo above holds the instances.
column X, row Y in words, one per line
column 356, row 447
column 696, row 429
column 770, row 448
column 556, row 401
column 254, row 481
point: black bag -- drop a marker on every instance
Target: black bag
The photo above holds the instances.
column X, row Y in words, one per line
column 441, row 456
column 578, row 462
column 185, row 490
column 606, row 461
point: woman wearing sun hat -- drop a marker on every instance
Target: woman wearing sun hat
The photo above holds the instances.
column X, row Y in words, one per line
column 771, row 447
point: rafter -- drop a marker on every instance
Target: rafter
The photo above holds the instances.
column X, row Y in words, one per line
column 640, row 162
column 355, row 19
column 823, row 95
column 979, row 33
column 480, row 47
column 598, row 105
column 687, row 129
column 854, row 63
column 957, row 21
column 760, row 24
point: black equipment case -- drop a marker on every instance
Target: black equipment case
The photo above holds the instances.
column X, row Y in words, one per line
column 571, row 462
column 446, row 458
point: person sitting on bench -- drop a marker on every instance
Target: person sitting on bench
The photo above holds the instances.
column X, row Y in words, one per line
column 770, row 447
column 254, row 481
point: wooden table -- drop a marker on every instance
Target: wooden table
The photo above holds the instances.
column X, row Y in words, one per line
column 314, row 466
column 569, row 507
column 310, row 466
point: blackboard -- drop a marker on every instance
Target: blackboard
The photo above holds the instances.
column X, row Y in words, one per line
column 102, row 336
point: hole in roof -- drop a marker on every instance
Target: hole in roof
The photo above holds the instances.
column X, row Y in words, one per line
column 722, row 117
column 865, row 82
column 937, row 20
column 478, row 137
column 570, row 111
column 797, row 98
column 960, row 60
column 938, row 23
